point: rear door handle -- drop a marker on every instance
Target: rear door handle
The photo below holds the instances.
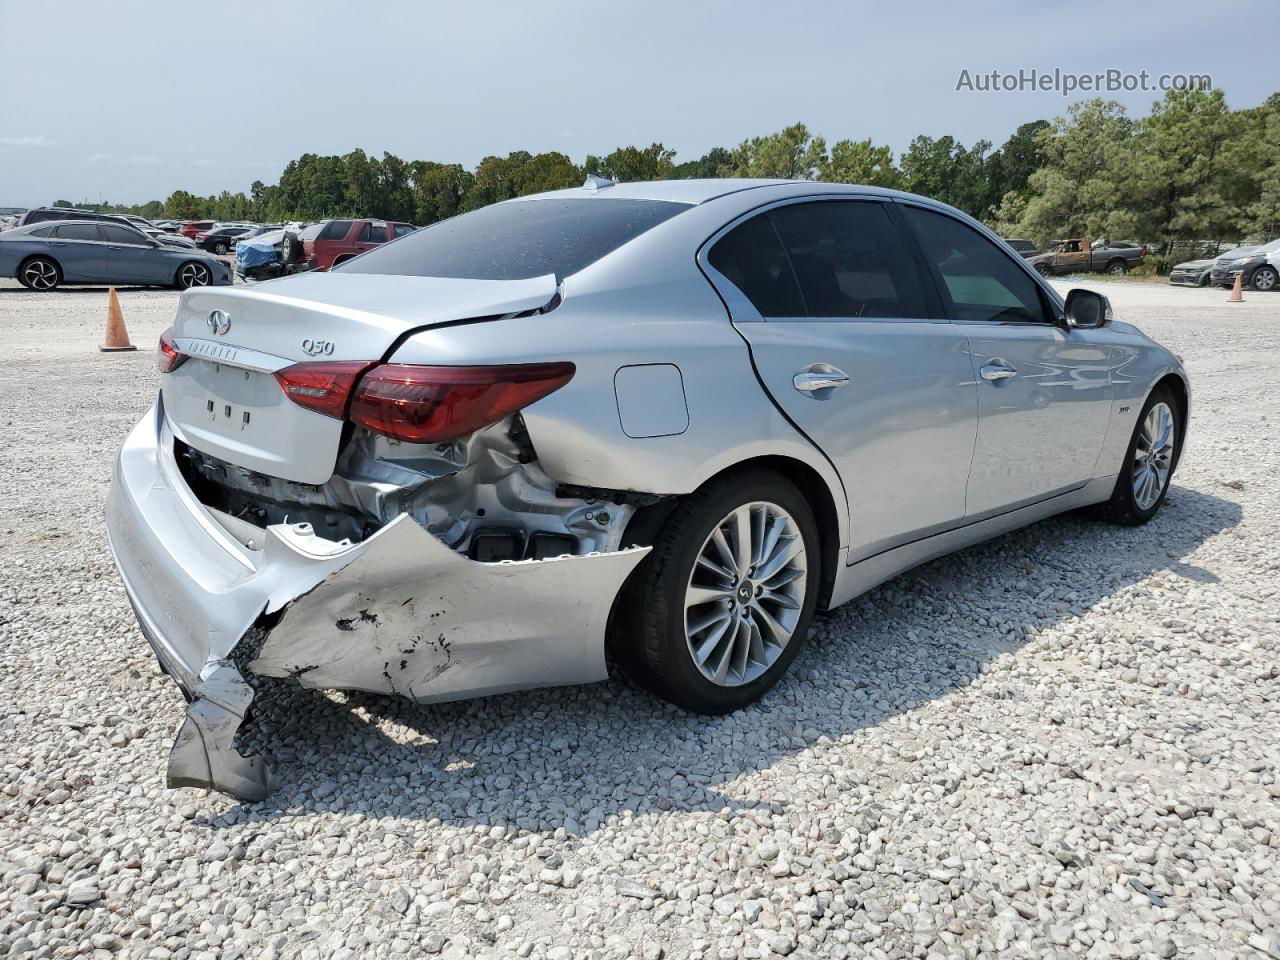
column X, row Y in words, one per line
column 809, row 381
column 997, row 370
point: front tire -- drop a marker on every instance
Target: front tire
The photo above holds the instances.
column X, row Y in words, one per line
column 718, row 610
column 1265, row 279
column 193, row 274
column 1044, row 270
column 39, row 274
column 1149, row 462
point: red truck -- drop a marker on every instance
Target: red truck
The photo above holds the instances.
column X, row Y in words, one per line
column 340, row 240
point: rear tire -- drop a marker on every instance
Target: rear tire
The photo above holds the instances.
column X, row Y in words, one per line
column 1149, row 462
column 1117, row 268
column 39, row 274
column 220, row 248
column 707, row 634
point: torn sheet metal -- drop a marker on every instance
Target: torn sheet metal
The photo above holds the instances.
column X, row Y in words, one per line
column 411, row 617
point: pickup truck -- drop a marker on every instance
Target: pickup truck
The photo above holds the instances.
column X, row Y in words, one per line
column 1078, row 255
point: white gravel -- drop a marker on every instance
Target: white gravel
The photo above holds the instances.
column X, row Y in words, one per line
column 1061, row 743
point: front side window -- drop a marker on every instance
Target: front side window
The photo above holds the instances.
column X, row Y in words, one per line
column 850, row 260
column 751, row 256
column 980, row 281
column 519, row 239
column 403, row 229
column 77, row 231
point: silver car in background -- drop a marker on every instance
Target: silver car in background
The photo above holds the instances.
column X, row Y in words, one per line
column 661, row 421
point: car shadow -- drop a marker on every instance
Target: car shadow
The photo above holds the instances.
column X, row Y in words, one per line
column 557, row 758
column 77, row 288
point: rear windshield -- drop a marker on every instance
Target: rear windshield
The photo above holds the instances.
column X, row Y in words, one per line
column 519, row 240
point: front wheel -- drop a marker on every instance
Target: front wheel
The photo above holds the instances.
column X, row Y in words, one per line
column 719, row 608
column 39, row 274
column 1044, row 270
column 1117, row 268
column 1149, row 462
column 193, row 274
column 1265, row 278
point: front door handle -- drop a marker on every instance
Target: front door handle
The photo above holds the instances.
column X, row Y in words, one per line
column 811, row 380
column 997, row 370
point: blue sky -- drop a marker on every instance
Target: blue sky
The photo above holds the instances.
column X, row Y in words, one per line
column 127, row 101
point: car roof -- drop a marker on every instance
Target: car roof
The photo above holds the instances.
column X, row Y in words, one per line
column 699, row 191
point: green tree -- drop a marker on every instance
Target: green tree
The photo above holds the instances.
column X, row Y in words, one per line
column 1176, row 176
column 860, row 161
column 438, row 190
column 633, row 164
column 946, row 170
column 706, row 167
column 790, row 154
column 183, row 206
column 1079, row 191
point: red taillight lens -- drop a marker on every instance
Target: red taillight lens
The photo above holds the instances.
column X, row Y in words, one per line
column 168, row 357
column 322, row 387
column 429, row 404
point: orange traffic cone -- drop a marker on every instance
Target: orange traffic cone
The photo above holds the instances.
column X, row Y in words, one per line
column 1237, row 291
column 117, row 338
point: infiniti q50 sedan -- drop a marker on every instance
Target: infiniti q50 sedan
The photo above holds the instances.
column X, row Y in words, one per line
column 44, row 256
column 663, row 421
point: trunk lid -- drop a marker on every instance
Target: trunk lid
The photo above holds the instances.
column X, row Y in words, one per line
column 224, row 400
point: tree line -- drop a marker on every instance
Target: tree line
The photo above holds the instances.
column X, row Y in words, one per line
column 1192, row 169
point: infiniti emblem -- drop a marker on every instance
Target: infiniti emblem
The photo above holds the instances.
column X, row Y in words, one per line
column 219, row 322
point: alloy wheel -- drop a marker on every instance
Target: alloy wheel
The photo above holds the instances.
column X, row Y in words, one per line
column 40, row 275
column 194, row 275
column 1264, row 279
column 1153, row 456
column 745, row 593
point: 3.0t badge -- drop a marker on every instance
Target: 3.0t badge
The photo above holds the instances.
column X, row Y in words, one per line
column 219, row 322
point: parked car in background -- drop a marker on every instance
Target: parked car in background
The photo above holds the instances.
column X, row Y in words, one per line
column 220, row 240
column 1078, row 255
column 189, row 228
column 340, row 240
column 170, row 239
column 1258, row 266
column 45, row 214
column 44, row 256
column 1192, row 273
column 1024, row 248
column 821, row 386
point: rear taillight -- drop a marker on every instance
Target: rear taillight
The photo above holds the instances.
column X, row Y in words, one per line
column 421, row 404
column 322, row 387
column 168, row 356
column 430, row 404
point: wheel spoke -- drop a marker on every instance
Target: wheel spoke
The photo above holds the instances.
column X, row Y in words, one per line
column 712, row 640
column 705, row 619
column 778, row 634
column 784, row 553
column 696, row 595
column 742, row 539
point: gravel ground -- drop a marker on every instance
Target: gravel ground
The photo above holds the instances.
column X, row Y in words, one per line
column 1063, row 742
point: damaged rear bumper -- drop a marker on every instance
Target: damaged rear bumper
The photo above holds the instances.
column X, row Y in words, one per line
column 397, row 613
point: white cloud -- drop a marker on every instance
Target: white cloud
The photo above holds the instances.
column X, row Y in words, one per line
column 146, row 160
column 40, row 141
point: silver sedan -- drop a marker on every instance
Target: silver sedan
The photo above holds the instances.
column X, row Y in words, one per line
column 655, row 424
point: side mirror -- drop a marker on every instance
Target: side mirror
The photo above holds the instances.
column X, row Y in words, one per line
column 1087, row 310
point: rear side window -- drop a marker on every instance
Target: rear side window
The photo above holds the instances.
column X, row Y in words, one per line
column 377, row 232
column 980, row 281
column 519, row 239
column 850, row 260
column 77, row 231
column 335, row 230
column 752, row 257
